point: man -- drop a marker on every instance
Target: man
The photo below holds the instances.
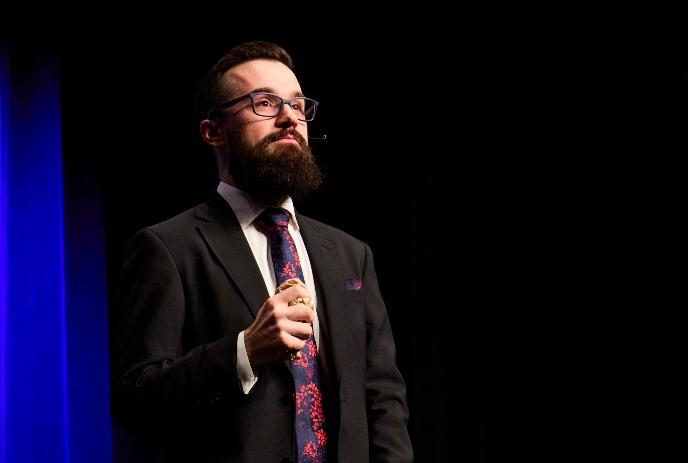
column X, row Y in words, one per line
column 247, row 332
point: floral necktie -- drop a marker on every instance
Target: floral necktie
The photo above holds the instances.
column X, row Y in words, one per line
column 311, row 436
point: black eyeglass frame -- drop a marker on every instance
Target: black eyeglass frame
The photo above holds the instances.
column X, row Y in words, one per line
column 227, row 104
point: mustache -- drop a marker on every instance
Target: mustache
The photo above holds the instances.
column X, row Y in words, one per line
column 282, row 133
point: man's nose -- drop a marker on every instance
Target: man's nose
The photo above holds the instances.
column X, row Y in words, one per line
column 288, row 117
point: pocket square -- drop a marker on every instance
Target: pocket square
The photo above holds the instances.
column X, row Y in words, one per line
column 353, row 284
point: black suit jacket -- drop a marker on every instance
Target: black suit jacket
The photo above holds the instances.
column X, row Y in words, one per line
column 189, row 286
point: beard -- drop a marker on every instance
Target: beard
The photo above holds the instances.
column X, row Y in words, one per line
column 272, row 171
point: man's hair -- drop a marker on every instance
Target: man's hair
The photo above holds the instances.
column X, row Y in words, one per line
column 211, row 91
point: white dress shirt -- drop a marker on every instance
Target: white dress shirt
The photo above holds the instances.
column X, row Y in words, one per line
column 247, row 208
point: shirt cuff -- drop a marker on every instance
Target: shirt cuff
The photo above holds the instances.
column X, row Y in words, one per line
column 244, row 370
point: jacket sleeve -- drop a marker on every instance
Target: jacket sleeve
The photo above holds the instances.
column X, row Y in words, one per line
column 385, row 388
column 152, row 377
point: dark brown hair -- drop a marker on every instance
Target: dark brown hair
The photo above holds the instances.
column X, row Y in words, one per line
column 211, row 92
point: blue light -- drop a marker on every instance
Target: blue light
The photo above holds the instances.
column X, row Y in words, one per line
column 36, row 405
column 4, row 111
column 54, row 394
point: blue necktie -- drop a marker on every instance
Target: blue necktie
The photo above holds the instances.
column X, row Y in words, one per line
column 311, row 436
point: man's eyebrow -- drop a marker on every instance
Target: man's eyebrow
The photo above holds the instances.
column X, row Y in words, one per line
column 272, row 90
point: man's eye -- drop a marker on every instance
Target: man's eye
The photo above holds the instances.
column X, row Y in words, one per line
column 264, row 103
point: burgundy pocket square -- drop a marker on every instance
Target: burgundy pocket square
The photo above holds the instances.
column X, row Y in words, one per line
column 353, row 284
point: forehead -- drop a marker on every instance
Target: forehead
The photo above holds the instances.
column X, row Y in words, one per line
column 248, row 76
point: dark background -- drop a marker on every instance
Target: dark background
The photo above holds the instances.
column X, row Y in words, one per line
column 501, row 168
column 129, row 129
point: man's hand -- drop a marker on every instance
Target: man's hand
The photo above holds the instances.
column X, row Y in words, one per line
column 279, row 328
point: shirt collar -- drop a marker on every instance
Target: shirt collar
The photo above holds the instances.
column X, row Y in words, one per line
column 247, row 207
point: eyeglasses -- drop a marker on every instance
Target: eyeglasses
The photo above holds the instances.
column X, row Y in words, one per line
column 270, row 105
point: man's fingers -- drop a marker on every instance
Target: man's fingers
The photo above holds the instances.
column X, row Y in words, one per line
column 299, row 330
column 292, row 342
column 292, row 293
column 289, row 283
column 300, row 313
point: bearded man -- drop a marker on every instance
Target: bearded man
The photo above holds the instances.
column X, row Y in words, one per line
column 245, row 331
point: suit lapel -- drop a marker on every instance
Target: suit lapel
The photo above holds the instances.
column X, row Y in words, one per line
column 225, row 238
column 321, row 254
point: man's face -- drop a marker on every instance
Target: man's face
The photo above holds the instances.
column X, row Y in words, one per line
column 267, row 156
column 269, row 76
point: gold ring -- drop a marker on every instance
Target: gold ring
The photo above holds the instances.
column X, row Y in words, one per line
column 302, row 300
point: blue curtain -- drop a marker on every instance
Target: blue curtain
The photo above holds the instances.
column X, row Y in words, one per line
column 54, row 397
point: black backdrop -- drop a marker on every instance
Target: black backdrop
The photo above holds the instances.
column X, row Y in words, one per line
column 128, row 127
column 499, row 190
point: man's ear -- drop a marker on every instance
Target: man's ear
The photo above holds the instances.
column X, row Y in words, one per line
column 211, row 133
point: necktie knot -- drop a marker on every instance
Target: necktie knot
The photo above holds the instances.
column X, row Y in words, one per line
column 271, row 220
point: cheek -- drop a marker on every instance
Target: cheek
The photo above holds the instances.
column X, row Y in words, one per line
column 252, row 133
column 303, row 130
